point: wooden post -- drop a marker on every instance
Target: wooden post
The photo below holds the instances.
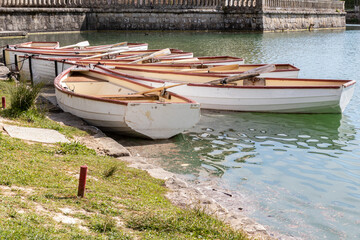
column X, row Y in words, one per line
column 31, row 71
column 56, row 68
column 16, row 62
column 4, row 57
column 82, row 181
column 3, row 101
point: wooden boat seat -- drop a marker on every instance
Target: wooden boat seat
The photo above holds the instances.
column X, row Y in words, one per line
column 83, row 78
column 131, row 97
column 254, row 82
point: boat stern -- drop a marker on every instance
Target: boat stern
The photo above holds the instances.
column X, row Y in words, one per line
column 161, row 120
column 346, row 94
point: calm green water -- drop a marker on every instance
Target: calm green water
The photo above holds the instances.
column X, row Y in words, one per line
column 299, row 172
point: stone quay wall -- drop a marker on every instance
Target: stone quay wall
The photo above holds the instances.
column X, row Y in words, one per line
column 80, row 15
column 280, row 21
column 353, row 17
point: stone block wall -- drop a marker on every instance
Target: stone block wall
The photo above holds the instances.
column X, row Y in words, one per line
column 174, row 20
column 285, row 21
column 155, row 19
column 42, row 19
column 77, row 19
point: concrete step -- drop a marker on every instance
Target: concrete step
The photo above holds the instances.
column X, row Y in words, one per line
column 13, row 34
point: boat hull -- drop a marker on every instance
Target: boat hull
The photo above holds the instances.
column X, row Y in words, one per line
column 262, row 99
column 270, row 100
column 42, row 70
column 149, row 120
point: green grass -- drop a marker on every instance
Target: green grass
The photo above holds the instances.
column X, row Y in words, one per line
column 37, row 181
column 35, row 116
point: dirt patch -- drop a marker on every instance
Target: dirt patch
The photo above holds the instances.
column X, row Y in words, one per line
column 14, row 190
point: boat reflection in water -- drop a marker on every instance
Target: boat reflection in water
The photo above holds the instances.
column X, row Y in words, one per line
column 224, row 139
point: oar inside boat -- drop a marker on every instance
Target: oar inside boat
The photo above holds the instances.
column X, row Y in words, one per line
column 79, row 44
column 163, row 52
column 250, row 74
column 118, row 44
column 159, row 89
column 108, row 53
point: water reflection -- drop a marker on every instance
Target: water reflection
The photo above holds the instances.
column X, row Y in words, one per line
column 223, row 140
column 296, row 164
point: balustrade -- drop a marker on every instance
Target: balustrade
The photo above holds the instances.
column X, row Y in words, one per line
column 115, row 3
column 242, row 4
column 179, row 4
column 303, row 4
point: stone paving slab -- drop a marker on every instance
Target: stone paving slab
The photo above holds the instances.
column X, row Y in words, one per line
column 35, row 134
column 3, row 72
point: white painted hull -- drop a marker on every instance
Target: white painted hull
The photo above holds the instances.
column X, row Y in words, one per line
column 150, row 120
column 43, row 70
column 266, row 100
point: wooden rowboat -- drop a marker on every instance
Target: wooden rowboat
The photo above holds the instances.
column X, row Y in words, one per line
column 37, row 45
column 11, row 54
column 78, row 47
column 278, row 95
column 281, row 70
column 40, row 69
column 124, row 106
column 211, row 61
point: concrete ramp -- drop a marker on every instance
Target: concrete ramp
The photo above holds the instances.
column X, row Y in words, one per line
column 35, row 134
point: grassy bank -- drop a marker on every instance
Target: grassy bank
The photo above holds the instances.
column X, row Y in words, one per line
column 38, row 186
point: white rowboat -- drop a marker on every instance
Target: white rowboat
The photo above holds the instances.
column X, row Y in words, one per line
column 123, row 106
column 278, row 95
column 43, row 69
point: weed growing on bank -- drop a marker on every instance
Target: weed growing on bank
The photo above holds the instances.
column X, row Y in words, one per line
column 22, row 98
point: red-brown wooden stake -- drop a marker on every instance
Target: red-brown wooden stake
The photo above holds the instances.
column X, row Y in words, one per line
column 82, row 181
column 3, row 101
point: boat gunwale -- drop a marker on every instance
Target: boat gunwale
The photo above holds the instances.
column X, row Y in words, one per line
column 210, row 61
column 49, row 48
column 223, row 73
column 121, row 102
column 75, row 52
column 231, row 59
column 183, row 73
column 184, row 64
